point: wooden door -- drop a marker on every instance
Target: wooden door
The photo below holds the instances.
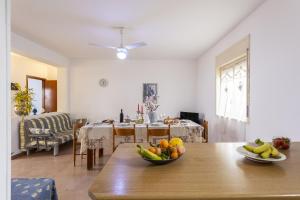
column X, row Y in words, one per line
column 50, row 96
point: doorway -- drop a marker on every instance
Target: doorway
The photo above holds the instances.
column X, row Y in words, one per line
column 45, row 94
column 37, row 85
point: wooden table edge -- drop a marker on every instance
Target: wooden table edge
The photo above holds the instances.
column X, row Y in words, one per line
column 191, row 196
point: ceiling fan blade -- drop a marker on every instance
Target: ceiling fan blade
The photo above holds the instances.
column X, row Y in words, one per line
column 102, row 46
column 135, row 45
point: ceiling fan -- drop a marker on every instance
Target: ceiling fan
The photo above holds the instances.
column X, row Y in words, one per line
column 122, row 50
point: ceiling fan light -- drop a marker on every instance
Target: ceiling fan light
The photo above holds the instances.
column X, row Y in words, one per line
column 122, row 54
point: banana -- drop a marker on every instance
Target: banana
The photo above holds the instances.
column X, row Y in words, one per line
column 139, row 152
column 259, row 142
column 267, row 153
column 249, row 147
column 262, row 148
column 148, row 154
column 275, row 152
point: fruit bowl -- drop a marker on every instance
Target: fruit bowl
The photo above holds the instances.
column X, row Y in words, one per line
column 281, row 142
column 160, row 162
column 256, row 158
column 163, row 153
column 262, row 152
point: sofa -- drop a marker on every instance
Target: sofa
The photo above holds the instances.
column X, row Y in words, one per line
column 59, row 131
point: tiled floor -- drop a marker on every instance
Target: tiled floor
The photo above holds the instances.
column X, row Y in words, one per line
column 71, row 182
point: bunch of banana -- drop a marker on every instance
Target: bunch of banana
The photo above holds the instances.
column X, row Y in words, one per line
column 265, row 150
column 147, row 154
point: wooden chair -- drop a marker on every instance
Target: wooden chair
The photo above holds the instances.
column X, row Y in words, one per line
column 76, row 127
column 158, row 132
column 123, row 132
column 205, row 131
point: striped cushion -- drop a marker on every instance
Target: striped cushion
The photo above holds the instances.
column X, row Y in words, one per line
column 68, row 122
column 39, row 131
column 57, row 124
column 64, row 137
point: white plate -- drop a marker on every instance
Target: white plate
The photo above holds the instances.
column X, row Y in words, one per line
column 156, row 124
column 124, row 124
column 256, row 158
column 185, row 121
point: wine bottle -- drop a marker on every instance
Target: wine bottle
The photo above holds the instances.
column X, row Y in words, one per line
column 121, row 116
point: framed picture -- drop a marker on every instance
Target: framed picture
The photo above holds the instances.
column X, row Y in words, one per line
column 150, row 92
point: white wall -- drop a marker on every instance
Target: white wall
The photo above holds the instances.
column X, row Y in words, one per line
column 274, row 78
column 31, row 49
column 63, row 89
column 22, row 66
column 176, row 86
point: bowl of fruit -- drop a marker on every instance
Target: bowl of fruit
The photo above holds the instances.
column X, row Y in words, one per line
column 281, row 142
column 261, row 151
column 162, row 153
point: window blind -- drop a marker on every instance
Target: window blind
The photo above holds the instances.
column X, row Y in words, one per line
column 234, row 52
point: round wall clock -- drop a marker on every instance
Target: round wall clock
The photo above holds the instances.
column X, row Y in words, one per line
column 103, row 82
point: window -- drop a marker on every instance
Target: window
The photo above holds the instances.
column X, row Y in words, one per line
column 232, row 79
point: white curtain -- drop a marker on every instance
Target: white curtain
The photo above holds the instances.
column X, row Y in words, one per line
column 232, row 102
column 232, row 91
column 229, row 130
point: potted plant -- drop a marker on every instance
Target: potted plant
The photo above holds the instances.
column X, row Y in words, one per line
column 23, row 106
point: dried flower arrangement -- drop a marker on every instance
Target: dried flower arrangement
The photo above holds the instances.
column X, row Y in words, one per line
column 150, row 106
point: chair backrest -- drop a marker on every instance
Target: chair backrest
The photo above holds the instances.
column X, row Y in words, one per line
column 78, row 123
column 128, row 131
column 157, row 132
column 81, row 121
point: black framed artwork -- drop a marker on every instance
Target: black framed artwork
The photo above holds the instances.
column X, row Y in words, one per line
column 150, row 92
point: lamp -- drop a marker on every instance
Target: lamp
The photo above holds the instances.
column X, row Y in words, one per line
column 122, row 53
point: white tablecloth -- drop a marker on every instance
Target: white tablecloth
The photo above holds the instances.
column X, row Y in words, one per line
column 95, row 134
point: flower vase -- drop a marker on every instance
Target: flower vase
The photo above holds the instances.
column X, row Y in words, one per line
column 152, row 116
column 22, row 134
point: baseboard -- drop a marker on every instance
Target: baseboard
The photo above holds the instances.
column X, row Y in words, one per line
column 17, row 155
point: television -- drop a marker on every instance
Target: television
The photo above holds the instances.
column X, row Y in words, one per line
column 191, row 116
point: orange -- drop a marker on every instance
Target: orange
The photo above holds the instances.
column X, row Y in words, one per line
column 174, row 155
column 173, row 149
column 164, row 143
column 152, row 149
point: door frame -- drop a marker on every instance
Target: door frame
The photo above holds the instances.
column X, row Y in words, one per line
column 5, row 100
column 43, row 86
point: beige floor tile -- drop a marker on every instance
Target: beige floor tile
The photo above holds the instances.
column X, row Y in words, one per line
column 71, row 182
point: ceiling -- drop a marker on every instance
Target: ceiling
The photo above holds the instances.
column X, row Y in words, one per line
column 173, row 29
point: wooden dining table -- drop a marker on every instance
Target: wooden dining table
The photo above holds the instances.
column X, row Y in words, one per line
column 205, row 172
column 99, row 135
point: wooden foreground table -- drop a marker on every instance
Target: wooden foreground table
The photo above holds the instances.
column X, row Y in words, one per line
column 206, row 171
